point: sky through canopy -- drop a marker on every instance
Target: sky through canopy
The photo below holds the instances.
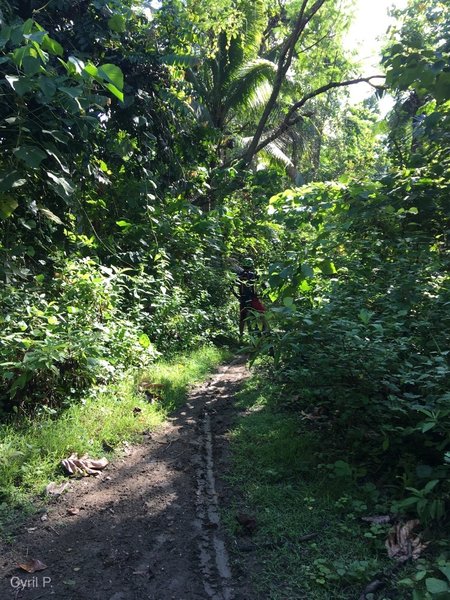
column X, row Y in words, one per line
column 366, row 38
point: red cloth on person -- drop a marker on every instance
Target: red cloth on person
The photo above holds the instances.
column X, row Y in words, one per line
column 258, row 305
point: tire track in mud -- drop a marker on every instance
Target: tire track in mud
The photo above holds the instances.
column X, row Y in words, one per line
column 213, row 554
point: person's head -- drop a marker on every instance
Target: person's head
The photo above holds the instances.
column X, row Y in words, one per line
column 247, row 264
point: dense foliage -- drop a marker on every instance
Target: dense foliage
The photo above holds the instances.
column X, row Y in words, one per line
column 360, row 330
column 145, row 151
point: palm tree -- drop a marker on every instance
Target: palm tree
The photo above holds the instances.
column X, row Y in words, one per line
column 228, row 90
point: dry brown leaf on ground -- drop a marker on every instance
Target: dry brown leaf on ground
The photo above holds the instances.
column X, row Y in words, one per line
column 402, row 544
column 247, row 522
column 32, row 565
column 148, row 385
column 378, row 519
column 56, row 489
column 73, row 511
column 318, row 412
column 84, row 465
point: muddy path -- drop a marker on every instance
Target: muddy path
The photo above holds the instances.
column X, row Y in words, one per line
column 147, row 528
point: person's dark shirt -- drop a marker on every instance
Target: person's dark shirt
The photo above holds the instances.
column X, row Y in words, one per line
column 247, row 281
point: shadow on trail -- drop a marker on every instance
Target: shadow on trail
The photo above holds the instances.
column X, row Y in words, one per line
column 137, row 532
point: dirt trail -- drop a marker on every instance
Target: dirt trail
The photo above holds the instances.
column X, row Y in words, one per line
column 149, row 526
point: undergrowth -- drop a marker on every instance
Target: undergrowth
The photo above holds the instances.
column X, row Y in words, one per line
column 288, row 476
column 31, row 451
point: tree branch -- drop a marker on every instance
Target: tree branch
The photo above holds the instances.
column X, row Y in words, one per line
column 284, row 62
column 290, row 120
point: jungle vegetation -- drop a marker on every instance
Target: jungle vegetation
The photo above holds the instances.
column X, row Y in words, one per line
column 147, row 148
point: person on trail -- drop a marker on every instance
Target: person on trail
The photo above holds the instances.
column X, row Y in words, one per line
column 246, row 294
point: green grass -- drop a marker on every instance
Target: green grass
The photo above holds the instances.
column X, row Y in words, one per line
column 31, row 450
column 176, row 375
column 278, row 477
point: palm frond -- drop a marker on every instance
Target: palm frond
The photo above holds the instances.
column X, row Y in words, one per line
column 259, row 96
column 196, row 83
column 176, row 104
column 202, row 114
column 180, row 60
column 276, row 153
column 255, row 23
column 245, row 87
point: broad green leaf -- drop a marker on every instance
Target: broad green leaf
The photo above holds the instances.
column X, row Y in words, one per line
column 307, row 270
column 91, row 70
column 117, row 23
column 31, row 65
column 436, row 586
column 21, row 85
column 8, row 205
column 113, row 74
column 59, row 136
column 123, row 224
column 430, row 486
column 62, row 186
column 48, row 86
column 144, row 340
column 289, row 302
column 27, row 27
column 16, row 35
column 52, row 46
column 427, row 426
column 18, row 55
column 74, row 92
column 5, row 34
column 112, row 88
column 11, row 180
column 50, row 215
column 442, row 89
column 36, row 36
column 409, row 501
column 304, row 286
column 327, row 267
column 365, row 315
column 77, row 63
column 31, row 155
